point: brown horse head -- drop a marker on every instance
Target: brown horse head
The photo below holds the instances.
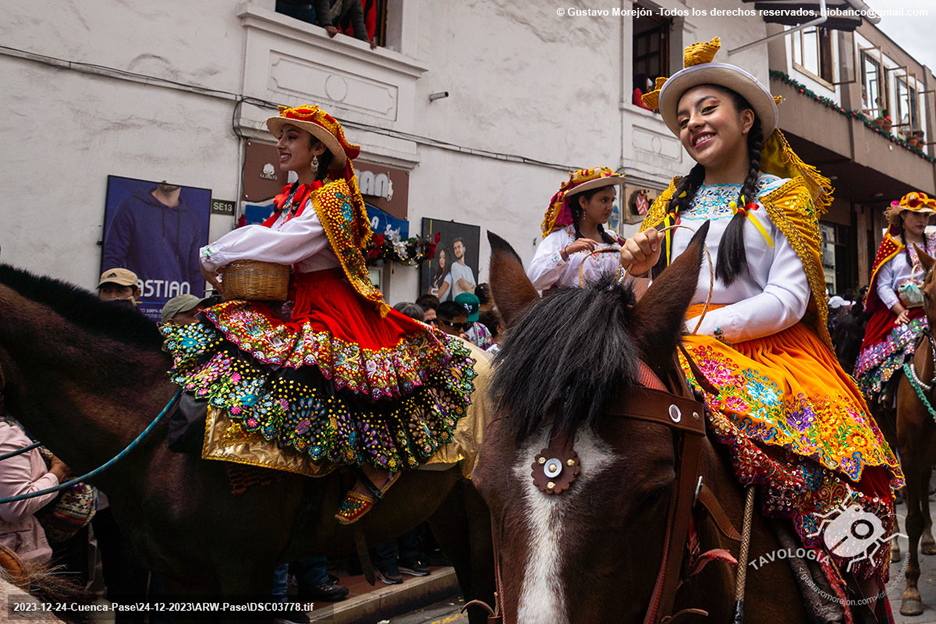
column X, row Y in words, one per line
column 929, row 284
column 592, row 552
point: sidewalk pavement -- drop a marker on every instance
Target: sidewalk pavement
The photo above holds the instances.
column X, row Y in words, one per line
column 927, row 583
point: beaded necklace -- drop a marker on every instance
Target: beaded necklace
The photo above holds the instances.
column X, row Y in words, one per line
column 292, row 207
column 289, row 208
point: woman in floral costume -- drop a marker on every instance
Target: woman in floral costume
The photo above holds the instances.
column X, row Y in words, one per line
column 574, row 227
column 894, row 299
column 334, row 372
column 793, row 422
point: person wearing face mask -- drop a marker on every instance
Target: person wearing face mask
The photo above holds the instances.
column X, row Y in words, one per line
column 792, row 422
column 894, row 300
column 335, row 374
column 120, row 286
column 573, row 227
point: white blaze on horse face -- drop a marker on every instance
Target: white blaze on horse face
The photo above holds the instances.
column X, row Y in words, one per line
column 543, row 599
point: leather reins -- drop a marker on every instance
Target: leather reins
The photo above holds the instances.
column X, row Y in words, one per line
column 685, row 416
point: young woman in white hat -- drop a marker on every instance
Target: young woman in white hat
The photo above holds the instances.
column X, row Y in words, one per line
column 894, row 299
column 336, row 376
column 573, row 227
column 792, row 421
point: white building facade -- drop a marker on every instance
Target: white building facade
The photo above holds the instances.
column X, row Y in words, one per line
column 175, row 90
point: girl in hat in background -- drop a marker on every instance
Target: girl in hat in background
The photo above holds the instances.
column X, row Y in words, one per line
column 793, row 421
column 573, row 227
column 894, row 299
column 336, row 373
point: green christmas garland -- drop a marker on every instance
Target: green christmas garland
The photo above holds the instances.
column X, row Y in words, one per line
column 856, row 114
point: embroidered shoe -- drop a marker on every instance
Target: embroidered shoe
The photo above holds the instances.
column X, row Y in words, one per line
column 354, row 507
column 357, row 505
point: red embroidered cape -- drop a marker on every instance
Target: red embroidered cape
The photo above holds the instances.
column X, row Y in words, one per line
column 889, row 248
column 336, row 206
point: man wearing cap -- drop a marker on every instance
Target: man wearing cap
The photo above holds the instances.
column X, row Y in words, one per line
column 181, row 310
column 477, row 333
column 119, row 285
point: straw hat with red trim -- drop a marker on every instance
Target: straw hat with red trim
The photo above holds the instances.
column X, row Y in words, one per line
column 558, row 214
column 914, row 202
column 321, row 125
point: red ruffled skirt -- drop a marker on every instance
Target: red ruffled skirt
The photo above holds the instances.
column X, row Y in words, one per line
column 328, row 375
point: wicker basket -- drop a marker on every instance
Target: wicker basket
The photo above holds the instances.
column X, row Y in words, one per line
column 253, row 280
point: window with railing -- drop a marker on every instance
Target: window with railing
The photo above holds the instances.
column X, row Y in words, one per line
column 873, row 93
column 812, row 53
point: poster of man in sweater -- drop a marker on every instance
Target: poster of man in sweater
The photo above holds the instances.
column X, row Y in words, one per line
column 454, row 270
column 155, row 229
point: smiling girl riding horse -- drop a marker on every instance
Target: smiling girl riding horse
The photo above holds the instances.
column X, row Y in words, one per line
column 778, row 405
column 793, row 421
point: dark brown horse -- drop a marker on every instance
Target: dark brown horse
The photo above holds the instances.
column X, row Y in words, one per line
column 916, row 439
column 591, row 554
column 86, row 378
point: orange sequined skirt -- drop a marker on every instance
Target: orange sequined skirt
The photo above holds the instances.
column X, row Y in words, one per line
column 796, row 424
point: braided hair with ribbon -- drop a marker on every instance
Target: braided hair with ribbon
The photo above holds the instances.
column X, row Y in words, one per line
column 732, row 258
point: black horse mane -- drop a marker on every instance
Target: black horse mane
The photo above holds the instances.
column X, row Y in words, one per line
column 82, row 308
column 566, row 359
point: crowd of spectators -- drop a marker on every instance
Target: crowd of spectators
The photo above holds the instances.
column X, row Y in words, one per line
column 346, row 17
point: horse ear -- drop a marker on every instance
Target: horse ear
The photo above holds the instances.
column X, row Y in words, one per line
column 512, row 290
column 926, row 260
column 659, row 316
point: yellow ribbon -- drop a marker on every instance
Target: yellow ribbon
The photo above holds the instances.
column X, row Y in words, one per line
column 669, row 246
column 748, row 213
column 762, row 230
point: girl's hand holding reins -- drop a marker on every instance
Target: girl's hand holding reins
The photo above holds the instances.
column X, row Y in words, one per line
column 579, row 244
column 641, row 252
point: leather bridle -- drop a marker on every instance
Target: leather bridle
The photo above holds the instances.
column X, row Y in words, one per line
column 652, row 402
column 685, row 416
column 927, row 333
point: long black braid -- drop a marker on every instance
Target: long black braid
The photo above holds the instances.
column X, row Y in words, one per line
column 732, row 258
column 679, row 202
column 575, row 207
column 903, row 240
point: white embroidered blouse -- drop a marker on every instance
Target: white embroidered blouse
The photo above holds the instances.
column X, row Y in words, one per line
column 774, row 293
column 548, row 269
column 299, row 241
column 898, row 269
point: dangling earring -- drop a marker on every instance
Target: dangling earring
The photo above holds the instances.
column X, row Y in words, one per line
column 314, row 164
